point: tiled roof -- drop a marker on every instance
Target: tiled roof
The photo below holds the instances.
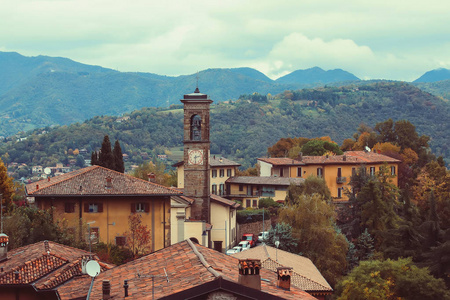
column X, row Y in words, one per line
column 187, row 266
column 305, row 274
column 43, row 264
column 265, row 180
column 224, row 201
column 349, row 157
column 93, row 181
column 215, row 162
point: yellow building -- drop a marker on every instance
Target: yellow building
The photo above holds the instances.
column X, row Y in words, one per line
column 336, row 170
column 105, row 199
column 220, row 170
column 249, row 189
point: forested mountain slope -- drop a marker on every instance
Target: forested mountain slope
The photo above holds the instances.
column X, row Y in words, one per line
column 243, row 130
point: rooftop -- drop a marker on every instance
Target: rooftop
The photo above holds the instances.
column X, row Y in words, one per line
column 188, row 266
column 305, row 275
column 215, row 161
column 93, row 181
column 265, row 180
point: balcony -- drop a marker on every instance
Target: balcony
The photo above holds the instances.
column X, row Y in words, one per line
column 341, row 179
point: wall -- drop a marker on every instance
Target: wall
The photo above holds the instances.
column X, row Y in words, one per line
column 254, row 228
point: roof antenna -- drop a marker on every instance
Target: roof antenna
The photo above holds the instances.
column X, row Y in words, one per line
column 196, row 88
column 138, row 275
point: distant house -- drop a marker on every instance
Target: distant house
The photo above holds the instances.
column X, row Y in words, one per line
column 304, row 275
column 108, row 198
column 37, row 169
column 190, row 271
column 250, row 189
column 335, row 170
column 45, row 271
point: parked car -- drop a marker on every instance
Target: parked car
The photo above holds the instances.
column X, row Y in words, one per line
column 245, row 245
column 262, row 236
column 235, row 249
column 251, row 238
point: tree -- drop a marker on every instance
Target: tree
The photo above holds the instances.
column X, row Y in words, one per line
column 312, row 185
column 118, row 158
column 282, row 232
column 6, row 186
column 317, row 147
column 138, row 237
column 80, row 161
column 94, row 158
column 106, row 158
column 159, row 170
column 390, row 279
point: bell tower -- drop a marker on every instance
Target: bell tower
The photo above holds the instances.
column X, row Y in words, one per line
column 196, row 153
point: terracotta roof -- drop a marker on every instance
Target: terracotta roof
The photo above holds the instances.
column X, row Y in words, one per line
column 93, row 181
column 305, row 274
column 187, row 266
column 45, row 265
column 215, row 162
column 349, row 157
column 265, row 180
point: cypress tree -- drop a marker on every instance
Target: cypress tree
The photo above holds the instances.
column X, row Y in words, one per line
column 94, row 158
column 118, row 158
column 106, row 158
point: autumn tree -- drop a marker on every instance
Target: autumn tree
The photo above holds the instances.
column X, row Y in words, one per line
column 6, row 187
column 311, row 185
column 390, row 279
column 159, row 171
column 138, row 236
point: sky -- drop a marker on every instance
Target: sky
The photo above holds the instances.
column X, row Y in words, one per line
column 394, row 39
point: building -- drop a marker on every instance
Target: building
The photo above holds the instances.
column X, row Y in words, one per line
column 190, row 271
column 250, row 189
column 37, row 271
column 335, row 170
column 304, row 275
column 220, row 170
column 105, row 199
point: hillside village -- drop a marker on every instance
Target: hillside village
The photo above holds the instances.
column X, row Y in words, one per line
column 189, row 228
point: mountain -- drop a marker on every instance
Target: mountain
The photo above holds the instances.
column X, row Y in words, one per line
column 243, row 130
column 41, row 91
column 437, row 88
column 434, row 75
column 317, row 75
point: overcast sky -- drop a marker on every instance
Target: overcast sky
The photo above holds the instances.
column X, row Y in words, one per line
column 381, row 39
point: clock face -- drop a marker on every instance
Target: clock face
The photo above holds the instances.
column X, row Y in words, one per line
column 195, row 157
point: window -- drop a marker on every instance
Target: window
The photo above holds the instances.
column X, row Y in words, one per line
column 339, row 193
column 392, row 170
column 214, row 173
column 140, row 207
column 221, row 189
column 241, row 188
column 268, row 191
column 93, row 207
column 228, row 172
column 248, row 203
column 120, row 240
column 319, row 172
column 196, row 128
column 372, row 171
column 255, row 203
column 214, row 189
column 222, row 173
column 69, row 207
column 339, row 172
column 281, row 172
column 299, row 172
column 249, row 190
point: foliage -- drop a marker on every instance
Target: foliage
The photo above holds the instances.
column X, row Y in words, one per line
column 318, row 148
column 251, row 216
column 250, row 171
column 282, row 233
column 268, row 202
column 159, row 170
column 113, row 254
column 6, row 187
column 313, row 223
column 118, row 158
column 390, row 279
column 138, row 236
column 312, row 185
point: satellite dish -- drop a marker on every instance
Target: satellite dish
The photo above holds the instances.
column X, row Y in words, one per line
column 367, row 149
column 47, row 171
column 92, row 268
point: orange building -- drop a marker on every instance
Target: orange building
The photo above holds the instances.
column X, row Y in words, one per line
column 336, row 170
column 105, row 199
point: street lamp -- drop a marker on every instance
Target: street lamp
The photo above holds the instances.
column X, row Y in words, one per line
column 277, row 243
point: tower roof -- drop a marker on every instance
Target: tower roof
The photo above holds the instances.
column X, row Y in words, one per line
column 196, row 95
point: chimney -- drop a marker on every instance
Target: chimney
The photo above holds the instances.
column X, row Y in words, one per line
column 152, row 177
column 300, row 156
column 284, row 278
column 125, row 287
column 37, row 186
column 106, row 289
column 108, row 182
column 249, row 273
column 48, row 178
column 4, row 241
column 344, row 158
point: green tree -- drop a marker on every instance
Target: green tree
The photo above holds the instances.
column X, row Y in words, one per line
column 390, row 279
column 318, row 147
column 118, row 158
column 80, row 161
column 106, row 158
column 312, row 185
column 94, row 158
column 282, row 233
column 159, row 170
